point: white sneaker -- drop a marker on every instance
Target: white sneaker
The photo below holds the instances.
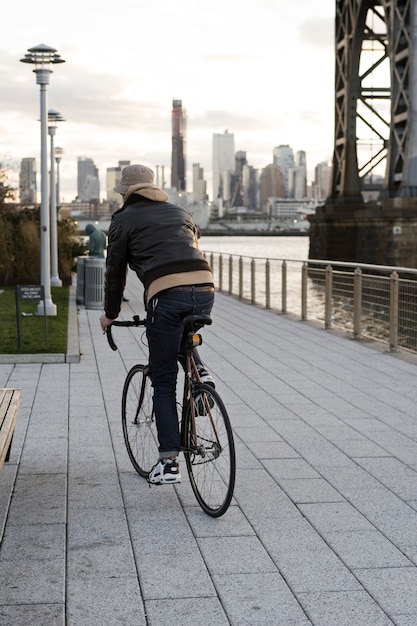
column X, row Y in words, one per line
column 165, row 472
column 206, row 377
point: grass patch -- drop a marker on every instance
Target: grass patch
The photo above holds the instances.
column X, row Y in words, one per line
column 33, row 326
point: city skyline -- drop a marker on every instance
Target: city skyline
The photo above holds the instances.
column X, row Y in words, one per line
column 265, row 72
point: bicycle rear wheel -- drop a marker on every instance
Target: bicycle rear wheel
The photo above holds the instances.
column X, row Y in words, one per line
column 138, row 420
column 210, row 456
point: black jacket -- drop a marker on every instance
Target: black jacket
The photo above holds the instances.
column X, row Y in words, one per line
column 154, row 239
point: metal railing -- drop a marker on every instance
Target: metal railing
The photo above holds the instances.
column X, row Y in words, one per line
column 368, row 301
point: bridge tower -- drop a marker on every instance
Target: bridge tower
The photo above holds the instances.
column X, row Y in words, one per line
column 375, row 127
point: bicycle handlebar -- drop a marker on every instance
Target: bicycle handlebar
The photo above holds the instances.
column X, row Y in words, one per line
column 136, row 321
column 200, row 320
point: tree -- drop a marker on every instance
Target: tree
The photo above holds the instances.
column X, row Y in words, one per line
column 7, row 191
column 20, row 240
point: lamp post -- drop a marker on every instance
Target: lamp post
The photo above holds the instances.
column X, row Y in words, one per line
column 43, row 57
column 53, row 118
column 58, row 157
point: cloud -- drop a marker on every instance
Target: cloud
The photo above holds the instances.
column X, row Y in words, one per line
column 318, row 33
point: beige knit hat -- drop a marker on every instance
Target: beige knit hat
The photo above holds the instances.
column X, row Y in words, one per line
column 134, row 175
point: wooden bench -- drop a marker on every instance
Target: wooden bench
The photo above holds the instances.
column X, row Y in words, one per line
column 9, row 404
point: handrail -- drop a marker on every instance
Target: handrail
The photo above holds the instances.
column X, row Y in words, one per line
column 366, row 300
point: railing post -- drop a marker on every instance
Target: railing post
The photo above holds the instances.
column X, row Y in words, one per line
column 393, row 312
column 267, row 284
column 252, row 282
column 220, row 272
column 357, row 304
column 328, row 297
column 304, row 271
column 212, row 263
column 240, row 277
column 230, row 274
column 284, row 287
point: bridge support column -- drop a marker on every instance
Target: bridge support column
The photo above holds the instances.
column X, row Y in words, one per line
column 383, row 233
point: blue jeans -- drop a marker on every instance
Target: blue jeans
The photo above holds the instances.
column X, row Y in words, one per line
column 164, row 329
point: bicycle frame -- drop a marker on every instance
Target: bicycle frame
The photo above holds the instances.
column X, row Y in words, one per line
column 192, row 377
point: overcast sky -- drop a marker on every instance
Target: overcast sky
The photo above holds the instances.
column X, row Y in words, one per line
column 263, row 69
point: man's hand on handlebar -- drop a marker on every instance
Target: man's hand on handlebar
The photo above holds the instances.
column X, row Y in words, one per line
column 105, row 322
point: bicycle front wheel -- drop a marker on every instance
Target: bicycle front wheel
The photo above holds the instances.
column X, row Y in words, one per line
column 210, row 451
column 138, row 420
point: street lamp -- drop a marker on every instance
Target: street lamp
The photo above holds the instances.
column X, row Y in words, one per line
column 43, row 57
column 58, row 157
column 53, row 118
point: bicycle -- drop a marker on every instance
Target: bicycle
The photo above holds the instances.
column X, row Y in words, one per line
column 206, row 434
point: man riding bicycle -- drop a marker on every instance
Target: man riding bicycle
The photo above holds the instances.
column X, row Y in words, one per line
column 158, row 240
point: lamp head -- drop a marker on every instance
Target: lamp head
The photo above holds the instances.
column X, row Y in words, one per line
column 42, row 57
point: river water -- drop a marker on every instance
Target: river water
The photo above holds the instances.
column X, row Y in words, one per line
column 247, row 276
column 288, row 248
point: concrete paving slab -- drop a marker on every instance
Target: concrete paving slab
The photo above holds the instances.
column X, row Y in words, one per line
column 366, row 549
column 24, row 614
column 235, row 555
column 395, row 589
column 335, row 516
column 310, row 490
column 187, row 577
column 259, row 599
column 185, row 610
column 308, row 564
column 104, row 600
column 42, row 583
column 33, row 542
column 344, row 608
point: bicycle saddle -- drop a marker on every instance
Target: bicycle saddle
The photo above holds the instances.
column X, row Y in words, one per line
column 201, row 320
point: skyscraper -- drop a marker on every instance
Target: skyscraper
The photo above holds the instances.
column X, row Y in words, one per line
column 27, row 181
column 199, row 184
column 297, row 177
column 284, row 157
column 272, row 184
column 322, row 181
column 113, row 177
column 178, row 181
column 88, row 184
column 223, row 165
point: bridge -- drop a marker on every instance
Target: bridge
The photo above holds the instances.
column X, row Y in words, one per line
column 375, row 127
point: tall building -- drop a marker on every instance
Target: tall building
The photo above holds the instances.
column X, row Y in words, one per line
column 27, row 181
column 113, row 177
column 283, row 156
column 88, row 184
column 250, row 187
column 199, row 184
column 271, row 184
column 236, row 192
column 322, row 181
column 178, row 167
column 297, row 177
column 223, row 165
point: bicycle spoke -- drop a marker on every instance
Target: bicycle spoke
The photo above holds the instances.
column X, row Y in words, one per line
column 211, row 463
column 138, row 420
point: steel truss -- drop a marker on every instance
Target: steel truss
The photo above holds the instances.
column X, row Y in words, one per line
column 372, row 119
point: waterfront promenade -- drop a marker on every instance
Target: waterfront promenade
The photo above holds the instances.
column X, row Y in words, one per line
column 323, row 526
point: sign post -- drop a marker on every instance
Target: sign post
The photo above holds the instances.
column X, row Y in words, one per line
column 29, row 292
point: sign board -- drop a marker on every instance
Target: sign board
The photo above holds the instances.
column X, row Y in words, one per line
column 29, row 292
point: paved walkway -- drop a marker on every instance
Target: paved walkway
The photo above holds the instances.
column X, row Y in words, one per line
column 323, row 527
